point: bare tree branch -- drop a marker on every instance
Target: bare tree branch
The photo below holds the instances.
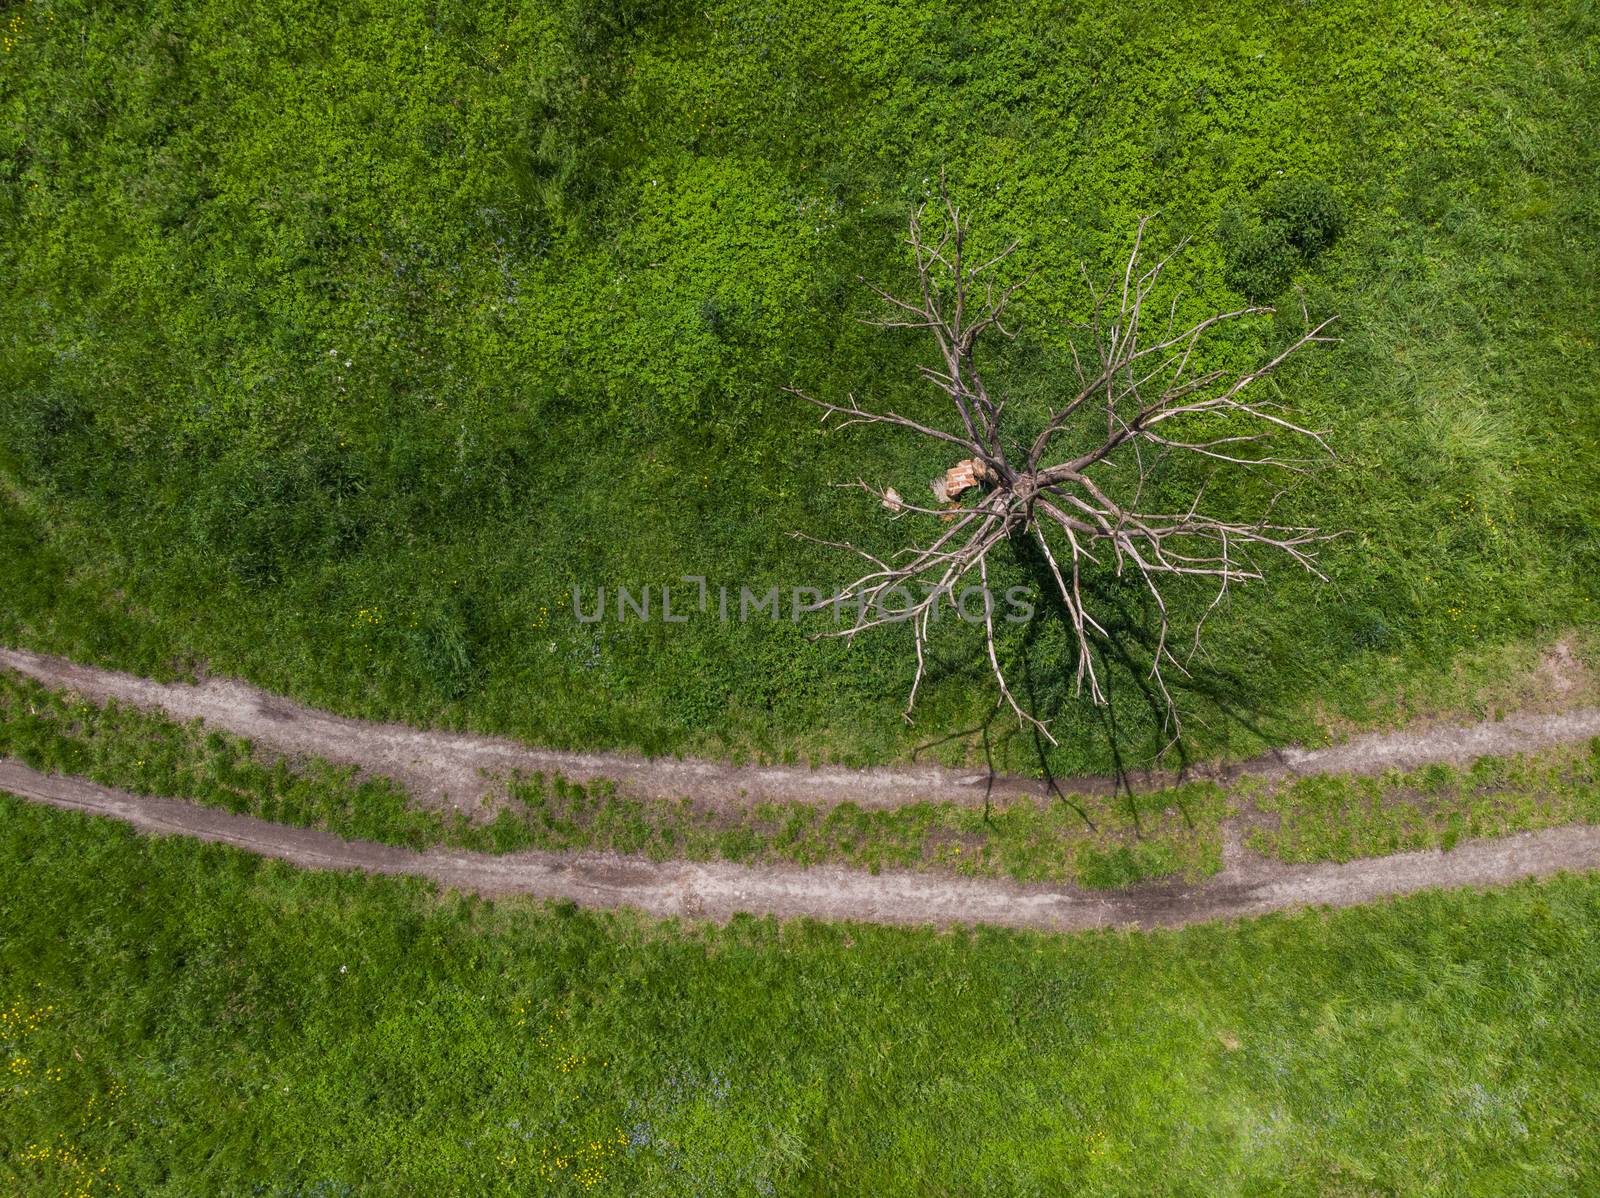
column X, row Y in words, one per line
column 1156, row 405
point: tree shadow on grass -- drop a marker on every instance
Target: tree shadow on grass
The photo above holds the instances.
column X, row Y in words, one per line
column 1123, row 656
column 1132, row 723
column 983, row 729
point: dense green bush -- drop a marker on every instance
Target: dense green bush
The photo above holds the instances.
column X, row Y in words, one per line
column 1261, row 258
column 1308, row 212
column 1295, row 221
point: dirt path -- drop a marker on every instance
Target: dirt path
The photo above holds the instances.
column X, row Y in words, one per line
column 441, row 768
column 718, row 890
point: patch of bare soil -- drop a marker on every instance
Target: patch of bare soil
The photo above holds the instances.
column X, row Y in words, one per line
column 718, row 890
column 1562, row 674
column 1456, row 744
column 444, row 769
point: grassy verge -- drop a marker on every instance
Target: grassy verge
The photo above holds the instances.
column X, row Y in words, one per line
column 1093, row 841
column 1337, row 818
column 180, row 1019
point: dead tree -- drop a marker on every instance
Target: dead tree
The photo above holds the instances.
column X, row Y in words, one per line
column 1078, row 486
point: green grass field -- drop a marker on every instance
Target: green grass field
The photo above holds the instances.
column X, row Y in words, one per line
column 339, row 346
column 180, row 1019
column 340, row 343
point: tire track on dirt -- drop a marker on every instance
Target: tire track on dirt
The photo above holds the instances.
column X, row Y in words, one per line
column 718, row 890
column 455, row 768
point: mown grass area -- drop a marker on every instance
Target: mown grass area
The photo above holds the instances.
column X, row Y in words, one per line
column 1094, row 841
column 184, row 1019
column 1097, row 841
column 340, row 345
